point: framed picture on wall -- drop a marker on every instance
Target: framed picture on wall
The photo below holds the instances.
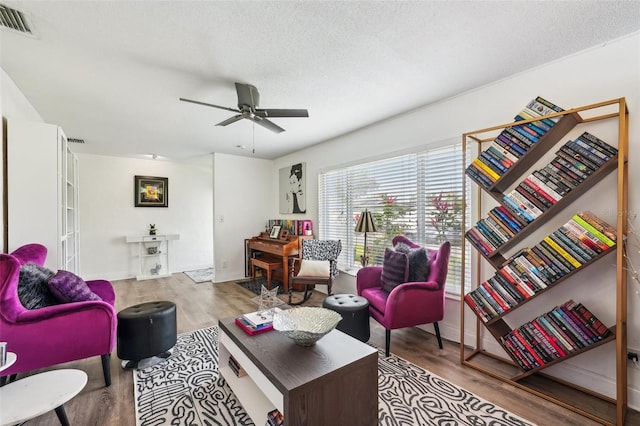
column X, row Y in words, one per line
column 292, row 188
column 150, row 191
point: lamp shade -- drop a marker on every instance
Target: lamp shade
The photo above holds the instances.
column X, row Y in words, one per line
column 365, row 223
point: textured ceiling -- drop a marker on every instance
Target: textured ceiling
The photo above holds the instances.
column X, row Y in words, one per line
column 111, row 73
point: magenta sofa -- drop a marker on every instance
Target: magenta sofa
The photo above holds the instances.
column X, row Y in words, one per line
column 409, row 304
column 54, row 334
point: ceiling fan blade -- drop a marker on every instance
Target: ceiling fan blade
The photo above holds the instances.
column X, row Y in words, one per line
column 209, row 105
column 271, row 112
column 247, row 95
column 230, row 120
column 266, row 124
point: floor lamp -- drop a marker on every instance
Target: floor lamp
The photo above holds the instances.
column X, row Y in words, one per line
column 365, row 224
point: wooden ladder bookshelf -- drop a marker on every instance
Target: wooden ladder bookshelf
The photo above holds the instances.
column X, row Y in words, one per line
column 597, row 407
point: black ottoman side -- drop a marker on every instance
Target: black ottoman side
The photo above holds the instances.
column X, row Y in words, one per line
column 146, row 330
column 355, row 314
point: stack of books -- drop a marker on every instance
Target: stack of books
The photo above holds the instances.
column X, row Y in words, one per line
column 513, row 142
column 236, row 367
column 275, row 418
column 565, row 329
column 530, row 270
column 257, row 322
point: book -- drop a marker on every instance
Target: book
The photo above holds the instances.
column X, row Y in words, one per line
column 555, row 246
column 600, row 225
column 557, row 257
column 543, row 189
column 596, row 232
column 260, row 318
column 236, row 367
column 513, row 144
column 250, row 329
column 598, row 143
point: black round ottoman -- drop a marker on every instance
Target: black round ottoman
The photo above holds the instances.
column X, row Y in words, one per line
column 355, row 314
column 145, row 333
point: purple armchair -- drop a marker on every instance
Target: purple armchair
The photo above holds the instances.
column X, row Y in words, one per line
column 53, row 334
column 408, row 304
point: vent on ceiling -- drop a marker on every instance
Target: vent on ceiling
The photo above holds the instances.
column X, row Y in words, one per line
column 14, row 20
column 75, row 140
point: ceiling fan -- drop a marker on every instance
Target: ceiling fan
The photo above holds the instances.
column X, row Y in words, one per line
column 248, row 100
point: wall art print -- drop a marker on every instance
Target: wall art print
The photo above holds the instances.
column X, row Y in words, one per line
column 292, row 185
column 150, row 191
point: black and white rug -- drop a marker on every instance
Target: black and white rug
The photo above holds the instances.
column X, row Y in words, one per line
column 186, row 390
column 201, row 275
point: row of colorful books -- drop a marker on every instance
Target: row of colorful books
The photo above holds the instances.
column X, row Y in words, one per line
column 513, row 142
column 236, row 367
column 565, row 329
column 531, row 270
column 540, row 190
column 574, row 162
column 294, row 227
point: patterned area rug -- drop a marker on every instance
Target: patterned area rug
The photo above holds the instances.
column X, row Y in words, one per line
column 186, row 390
column 201, row 275
column 255, row 285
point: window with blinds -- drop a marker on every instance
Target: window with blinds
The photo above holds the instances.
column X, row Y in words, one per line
column 418, row 195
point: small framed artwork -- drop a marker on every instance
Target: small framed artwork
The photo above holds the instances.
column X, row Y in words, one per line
column 150, row 191
column 275, row 231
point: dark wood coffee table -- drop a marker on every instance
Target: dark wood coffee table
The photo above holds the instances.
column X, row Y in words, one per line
column 334, row 381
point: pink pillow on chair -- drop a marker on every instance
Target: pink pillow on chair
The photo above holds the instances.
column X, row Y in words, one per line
column 68, row 287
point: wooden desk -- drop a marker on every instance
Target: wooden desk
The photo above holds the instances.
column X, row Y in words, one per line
column 334, row 381
column 282, row 249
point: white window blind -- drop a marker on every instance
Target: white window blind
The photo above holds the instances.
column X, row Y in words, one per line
column 418, row 195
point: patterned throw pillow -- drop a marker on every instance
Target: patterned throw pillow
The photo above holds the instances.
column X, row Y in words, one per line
column 68, row 287
column 419, row 265
column 33, row 291
column 395, row 269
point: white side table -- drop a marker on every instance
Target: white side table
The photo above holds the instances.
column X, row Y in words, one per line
column 35, row 395
column 153, row 254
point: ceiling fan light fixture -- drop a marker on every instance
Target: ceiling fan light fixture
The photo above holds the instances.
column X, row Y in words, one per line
column 248, row 99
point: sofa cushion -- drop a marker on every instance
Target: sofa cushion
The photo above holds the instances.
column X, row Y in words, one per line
column 68, row 287
column 395, row 269
column 33, row 290
column 418, row 262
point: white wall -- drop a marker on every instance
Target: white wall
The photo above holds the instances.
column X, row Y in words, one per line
column 244, row 197
column 604, row 72
column 13, row 104
column 107, row 213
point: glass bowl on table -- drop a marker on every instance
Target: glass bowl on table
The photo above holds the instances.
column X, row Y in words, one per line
column 305, row 325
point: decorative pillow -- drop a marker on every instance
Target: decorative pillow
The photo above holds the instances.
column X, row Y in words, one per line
column 395, row 269
column 314, row 268
column 33, row 290
column 68, row 287
column 419, row 265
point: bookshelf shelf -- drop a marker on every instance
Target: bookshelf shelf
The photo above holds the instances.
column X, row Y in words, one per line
column 492, row 300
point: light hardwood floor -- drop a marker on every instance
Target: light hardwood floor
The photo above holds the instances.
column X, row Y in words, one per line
column 201, row 305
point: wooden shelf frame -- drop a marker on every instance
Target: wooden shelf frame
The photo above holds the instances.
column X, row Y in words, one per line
column 469, row 354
